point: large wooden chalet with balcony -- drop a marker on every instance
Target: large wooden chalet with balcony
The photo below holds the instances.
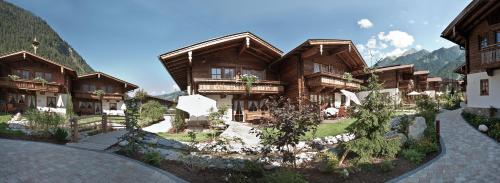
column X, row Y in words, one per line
column 217, row 67
column 477, row 30
column 30, row 81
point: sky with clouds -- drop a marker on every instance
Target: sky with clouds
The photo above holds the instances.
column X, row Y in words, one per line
column 125, row 38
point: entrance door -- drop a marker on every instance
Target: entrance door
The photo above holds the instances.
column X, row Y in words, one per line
column 238, row 108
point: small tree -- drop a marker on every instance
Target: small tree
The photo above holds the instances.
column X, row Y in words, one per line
column 134, row 131
column 100, row 95
column 215, row 118
column 288, row 123
column 152, row 111
column 372, row 122
column 179, row 121
column 69, row 105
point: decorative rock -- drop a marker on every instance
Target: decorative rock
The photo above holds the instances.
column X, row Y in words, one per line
column 482, row 128
column 150, row 140
column 123, row 143
column 416, row 130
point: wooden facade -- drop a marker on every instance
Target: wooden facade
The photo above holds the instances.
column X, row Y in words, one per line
column 216, row 68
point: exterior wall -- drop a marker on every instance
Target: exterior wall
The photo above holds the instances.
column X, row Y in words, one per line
column 41, row 102
column 33, row 67
column 289, row 75
column 227, row 101
column 100, row 83
column 333, row 60
column 474, row 99
column 120, row 105
column 482, row 29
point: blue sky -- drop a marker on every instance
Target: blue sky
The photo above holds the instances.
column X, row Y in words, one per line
column 124, row 38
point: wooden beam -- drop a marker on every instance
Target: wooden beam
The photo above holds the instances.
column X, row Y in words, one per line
column 262, row 53
column 259, row 56
column 311, row 52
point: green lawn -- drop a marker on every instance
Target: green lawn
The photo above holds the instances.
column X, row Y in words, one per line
column 3, row 126
column 4, row 117
column 97, row 118
column 184, row 137
column 330, row 129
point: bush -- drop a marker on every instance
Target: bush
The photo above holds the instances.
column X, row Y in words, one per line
column 426, row 146
column 386, row 166
column 494, row 131
column 253, row 169
column 151, row 112
column 493, row 124
column 179, row 122
column 60, row 134
column 413, row 155
column 328, row 162
column 284, row 176
column 153, row 158
column 43, row 121
column 403, row 125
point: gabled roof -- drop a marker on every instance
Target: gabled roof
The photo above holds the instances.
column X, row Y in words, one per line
column 345, row 49
column 467, row 19
column 24, row 54
column 421, row 72
column 394, row 67
column 129, row 86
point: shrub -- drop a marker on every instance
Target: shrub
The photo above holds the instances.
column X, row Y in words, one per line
column 386, row 166
column 328, row 162
column 282, row 176
column 60, row 134
column 253, row 169
column 152, row 111
column 179, row 122
column 413, row 155
column 494, row 131
column 426, row 146
column 153, row 158
column 43, row 121
column 403, row 125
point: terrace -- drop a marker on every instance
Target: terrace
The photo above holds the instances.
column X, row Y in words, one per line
column 490, row 56
column 324, row 79
column 231, row 86
column 30, row 85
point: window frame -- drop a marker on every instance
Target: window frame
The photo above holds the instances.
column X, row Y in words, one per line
column 214, row 75
column 111, row 104
column 484, row 87
column 48, row 103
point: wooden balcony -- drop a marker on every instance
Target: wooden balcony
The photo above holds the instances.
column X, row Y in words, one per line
column 321, row 79
column 490, row 56
column 223, row 86
column 91, row 95
column 31, row 85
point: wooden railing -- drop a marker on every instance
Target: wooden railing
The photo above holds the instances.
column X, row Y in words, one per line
column 91, row 95
column 332, row 80
column 490, row 54
column 237, row 86
column 30, row 85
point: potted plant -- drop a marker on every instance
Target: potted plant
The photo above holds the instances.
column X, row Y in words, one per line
column 249, row 80
column 40, row 80
column 347, row 76
column 13, row 77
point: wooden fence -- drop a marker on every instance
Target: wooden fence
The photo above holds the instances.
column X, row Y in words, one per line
column 93, row 124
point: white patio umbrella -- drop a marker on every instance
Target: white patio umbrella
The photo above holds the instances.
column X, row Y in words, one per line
column 428, row 93
column 351, row 96
column 60, row 102
column 413, row 93
column 439, row 93
column 196, row 105
column 123, row 107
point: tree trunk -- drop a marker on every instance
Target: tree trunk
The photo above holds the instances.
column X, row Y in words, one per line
column 343, row 157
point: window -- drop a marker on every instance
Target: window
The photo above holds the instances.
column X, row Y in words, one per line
column 109, row 89
column 228, row 73
column 483, row 42
column 313, row 98
column 48, row 77
column 23, row 74
column 497, row 35
column 112, row 106
column 39, row 74
column 484, row 86
column 260, row 74
column 51, row 101
column 92, row 88
column 317, row 67
column 216, row 73
column 252, row 105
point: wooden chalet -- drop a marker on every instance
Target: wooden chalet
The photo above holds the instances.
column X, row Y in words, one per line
column 434, row 83
column 420, row 79
column 86, row 102
column 477, row 30
column 28, row 80
column 397, row 81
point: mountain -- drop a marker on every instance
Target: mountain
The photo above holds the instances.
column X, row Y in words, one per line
column 19, row 27
column 440, row 62
column 171, row 96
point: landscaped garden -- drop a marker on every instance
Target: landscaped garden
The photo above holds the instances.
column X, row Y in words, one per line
column 374, row 145
column 487, row 125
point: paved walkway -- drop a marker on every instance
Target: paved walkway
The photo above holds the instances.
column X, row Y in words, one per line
column 163, row 126
column 26, row 161
column 100, row 141
column 469, row 155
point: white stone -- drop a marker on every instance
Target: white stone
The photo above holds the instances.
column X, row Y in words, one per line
column 482, row 128
column 123, row 143
column 416, row 130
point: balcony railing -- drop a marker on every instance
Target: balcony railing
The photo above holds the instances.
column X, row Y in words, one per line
column 237, row 86
column 490, row 55
column 91, row 95
column 23, row 84
column 332, row 80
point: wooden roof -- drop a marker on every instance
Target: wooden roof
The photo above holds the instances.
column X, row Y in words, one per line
column 177, row 61
column 344, row 49
column 129, row 86
column 406, row 67
column 460, row 69
column 434, row 79
column 425, row 72
column 21, row 55
column 472, row 15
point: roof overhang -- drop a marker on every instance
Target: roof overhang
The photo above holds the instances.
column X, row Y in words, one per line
column 472, row 15
column 402, row 68
column 128, row 86
column 344, row 49
column 434, row 79
column 22, row 55
column 425, row 72
column 176, row 62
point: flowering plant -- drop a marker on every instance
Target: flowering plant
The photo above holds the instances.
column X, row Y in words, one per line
column 249, row 80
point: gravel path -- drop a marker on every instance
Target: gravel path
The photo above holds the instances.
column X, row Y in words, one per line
column 163, row 126
column 25, row 161
column 469, row 156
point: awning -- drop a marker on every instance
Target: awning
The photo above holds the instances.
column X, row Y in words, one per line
column 196, row 105
column 351, row 96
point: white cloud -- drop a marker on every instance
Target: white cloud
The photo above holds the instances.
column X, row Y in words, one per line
column 365, row 23
column 418, row 47
column 360, row 47
column 396, row 52
column 383, row 45
column 175, row 87
column 372, row 43
column 398, row 39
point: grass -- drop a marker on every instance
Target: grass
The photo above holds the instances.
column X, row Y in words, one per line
column 330, row 129
column 97, row 118
column 184, row 137
column 3, row 126
column 4, row 117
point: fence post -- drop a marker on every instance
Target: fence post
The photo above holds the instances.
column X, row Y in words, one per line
column 438, row 130
column 74, row 129
column 104, row 123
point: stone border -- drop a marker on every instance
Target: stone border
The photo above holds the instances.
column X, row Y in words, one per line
column 442, row 152
column 168, row 174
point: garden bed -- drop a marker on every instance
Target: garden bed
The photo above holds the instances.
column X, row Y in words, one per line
column 492, row 124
